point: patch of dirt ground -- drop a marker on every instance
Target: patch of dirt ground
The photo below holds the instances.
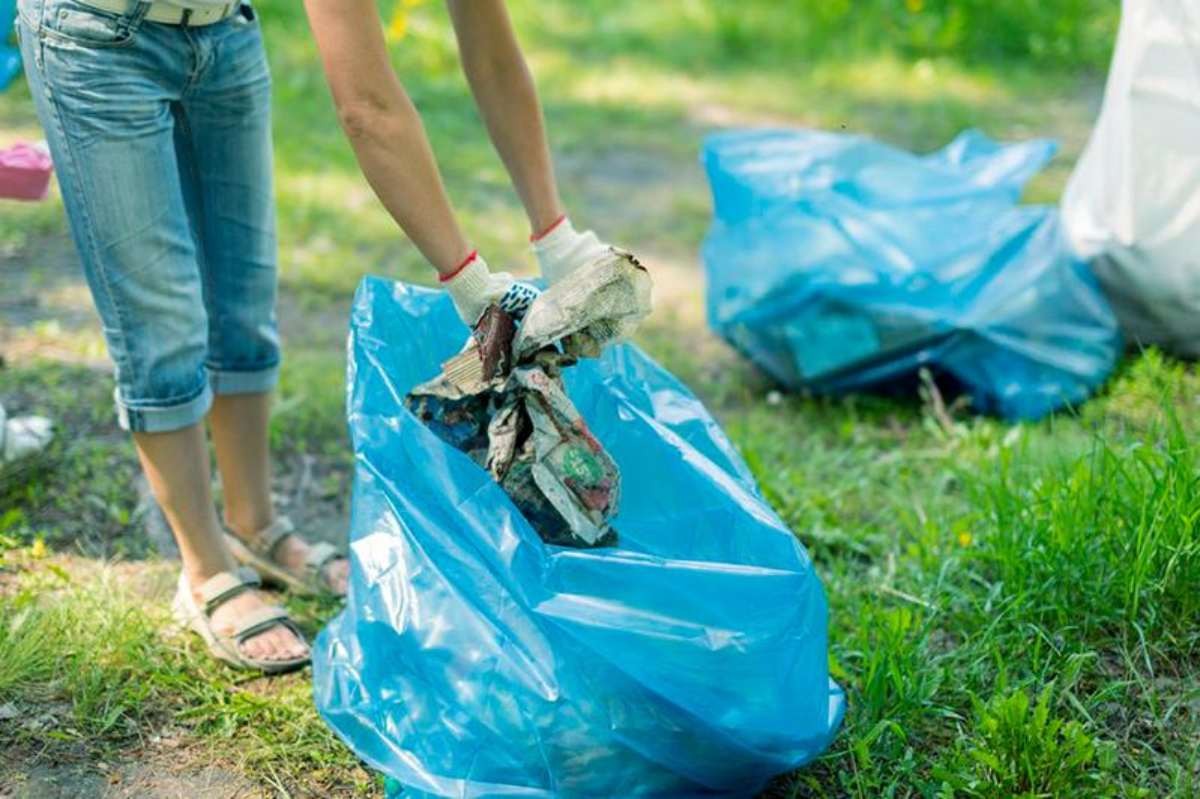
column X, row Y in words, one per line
column 161, row 774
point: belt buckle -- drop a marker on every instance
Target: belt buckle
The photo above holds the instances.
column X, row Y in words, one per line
column 226, row 12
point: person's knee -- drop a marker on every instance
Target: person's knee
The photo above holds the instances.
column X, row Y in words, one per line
column 166, row 373
column 244, row 337
column 162, row 383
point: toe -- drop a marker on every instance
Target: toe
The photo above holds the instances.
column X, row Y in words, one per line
column 277, row 643
column 287, row 645
column 290, row 645
column 257, row 647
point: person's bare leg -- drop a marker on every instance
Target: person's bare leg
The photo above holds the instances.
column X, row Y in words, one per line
column 239, row 425
column 507, row 98
column 239, row 433
column 177, row 466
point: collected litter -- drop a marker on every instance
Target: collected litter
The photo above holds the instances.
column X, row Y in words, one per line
column 24, row 172
column 1132, row 205
column 840, row 264
column 473, row 659
column 502, row 401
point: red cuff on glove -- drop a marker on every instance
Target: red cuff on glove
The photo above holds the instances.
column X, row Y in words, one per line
column 471, row 256
column 548, row 230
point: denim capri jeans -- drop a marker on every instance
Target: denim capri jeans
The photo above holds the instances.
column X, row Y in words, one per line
column 161, row 137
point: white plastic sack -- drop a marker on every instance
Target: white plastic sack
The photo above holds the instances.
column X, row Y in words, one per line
column 1132, row 205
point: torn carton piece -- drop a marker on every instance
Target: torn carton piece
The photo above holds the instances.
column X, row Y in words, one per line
column 512, row 417
column 589, row 308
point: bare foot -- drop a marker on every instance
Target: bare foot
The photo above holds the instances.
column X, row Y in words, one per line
column 274, row 643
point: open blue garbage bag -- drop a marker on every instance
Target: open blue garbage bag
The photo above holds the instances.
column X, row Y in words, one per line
column 838, row 264
column 472, row 660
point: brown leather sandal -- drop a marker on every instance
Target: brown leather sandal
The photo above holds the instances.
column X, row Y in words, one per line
column 258, row 553
column 216, row 591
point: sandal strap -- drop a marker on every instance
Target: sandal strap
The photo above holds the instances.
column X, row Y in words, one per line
column 319, row 554
column 263, row 542
column 260, row 620
column 224, row 586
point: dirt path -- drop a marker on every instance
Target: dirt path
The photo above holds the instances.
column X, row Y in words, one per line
column 159, row 772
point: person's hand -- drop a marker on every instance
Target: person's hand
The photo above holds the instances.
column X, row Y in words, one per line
column 563, row 250
column 607, row 289
column 473, row 288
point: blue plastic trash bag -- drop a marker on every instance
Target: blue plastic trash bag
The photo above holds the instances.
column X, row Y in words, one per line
column 10, row 57
column 840, row 264
column 472, row 660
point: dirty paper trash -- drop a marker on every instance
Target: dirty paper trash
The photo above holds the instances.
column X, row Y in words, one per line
column 502, row 401
column 522, row 428
column 590, row 308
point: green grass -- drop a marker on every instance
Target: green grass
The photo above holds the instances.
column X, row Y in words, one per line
column 89, row 653
column 972, row 569
column 1013, row 608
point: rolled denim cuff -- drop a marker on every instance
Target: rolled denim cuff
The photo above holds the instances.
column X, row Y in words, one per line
column 163, row 418
column 257, row 381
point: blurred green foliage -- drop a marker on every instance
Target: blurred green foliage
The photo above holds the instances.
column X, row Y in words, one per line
column 1072, row 34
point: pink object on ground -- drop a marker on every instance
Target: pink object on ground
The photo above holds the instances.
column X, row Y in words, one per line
column 24, row 172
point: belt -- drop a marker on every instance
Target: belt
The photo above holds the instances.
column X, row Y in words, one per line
column 168, row 14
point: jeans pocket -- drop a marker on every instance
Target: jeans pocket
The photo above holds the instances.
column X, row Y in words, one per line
column 78, row 24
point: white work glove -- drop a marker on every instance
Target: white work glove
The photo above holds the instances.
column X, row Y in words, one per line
column 473, row 288
column 605, row 290
column 563, row 250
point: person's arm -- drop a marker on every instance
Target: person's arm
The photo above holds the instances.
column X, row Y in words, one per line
column 385, row 128
column 507, row 99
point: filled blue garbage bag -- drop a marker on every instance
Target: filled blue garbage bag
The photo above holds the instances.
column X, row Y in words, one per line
column 473, row 660
column 840, row 264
